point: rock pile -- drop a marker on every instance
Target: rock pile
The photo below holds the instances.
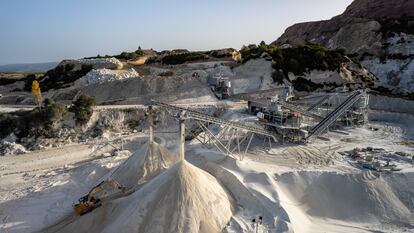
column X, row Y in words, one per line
column 101, row 63
column 98, row 76
column 96, row 63
column 11, row 148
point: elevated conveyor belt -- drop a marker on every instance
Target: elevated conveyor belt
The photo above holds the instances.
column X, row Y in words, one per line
column 335, row 114
column 187, row 113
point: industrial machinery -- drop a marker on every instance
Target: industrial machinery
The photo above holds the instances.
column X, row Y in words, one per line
column 221, row 86
column 294, row 122
column 90, row 201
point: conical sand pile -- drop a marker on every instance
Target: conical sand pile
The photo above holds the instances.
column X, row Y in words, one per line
column 184, row 198
column 144, row 164
column 187, row 199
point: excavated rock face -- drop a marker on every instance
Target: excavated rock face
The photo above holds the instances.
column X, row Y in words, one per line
column 376, row 9
column 378, row 33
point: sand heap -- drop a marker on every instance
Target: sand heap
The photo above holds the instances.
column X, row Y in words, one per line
column 140, row 167
column 362, row 198
column 182, row 199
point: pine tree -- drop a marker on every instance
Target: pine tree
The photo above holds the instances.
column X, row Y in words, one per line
column 37, row 94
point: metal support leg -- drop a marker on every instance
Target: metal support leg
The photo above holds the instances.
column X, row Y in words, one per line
column 182, row 139
column 151, row 134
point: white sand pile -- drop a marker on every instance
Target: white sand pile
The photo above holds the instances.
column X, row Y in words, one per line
column 140, row 167
column 182, row 199
column 360, row 199
column 97, row 76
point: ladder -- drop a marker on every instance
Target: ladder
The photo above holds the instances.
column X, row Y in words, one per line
column 335, row 114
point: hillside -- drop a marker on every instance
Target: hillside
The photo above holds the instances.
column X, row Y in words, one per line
column 380, row 34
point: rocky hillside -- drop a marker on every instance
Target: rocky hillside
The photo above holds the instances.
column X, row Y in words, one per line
column 308, row 67
column 377, row 33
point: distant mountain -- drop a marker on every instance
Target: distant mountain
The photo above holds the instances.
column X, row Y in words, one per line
column 377, row 33
column 28, row 67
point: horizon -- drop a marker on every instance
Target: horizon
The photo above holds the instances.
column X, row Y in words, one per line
column 53, row 30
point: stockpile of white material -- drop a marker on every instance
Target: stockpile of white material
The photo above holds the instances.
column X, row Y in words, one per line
column 147, row 162
column 109, row 63
column 105, row 75
column 317, row 201
column 182, row 199
column 11, row 148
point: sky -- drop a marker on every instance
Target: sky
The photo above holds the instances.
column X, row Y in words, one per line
column 51, row 30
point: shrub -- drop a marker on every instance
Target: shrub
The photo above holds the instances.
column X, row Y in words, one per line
column 6, row 81
column 41, row 120
column 180, row 58
column 301, row 84
column 296, row 60
column 82, row 107
column 28, row 82
column 253, row 51
column 7, row 124
column 53, row 112
column 60, row 76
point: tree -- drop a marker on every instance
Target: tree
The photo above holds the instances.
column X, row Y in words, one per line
column 37, row 94
column 82, row 107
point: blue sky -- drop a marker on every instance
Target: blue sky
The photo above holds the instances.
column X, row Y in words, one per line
column 51, row 30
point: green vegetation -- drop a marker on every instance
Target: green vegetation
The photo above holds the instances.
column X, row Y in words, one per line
column 6, row 81
column 82, row 107
column 62, row 75
column 41, row 121
column 28, row 82
column 301, row 84
column 180, row 58
column 9, row 78
column 253, row 51
column 38, row 122
column 390, row 27
column 131, row 55
column 298, row 61
column 7, row 124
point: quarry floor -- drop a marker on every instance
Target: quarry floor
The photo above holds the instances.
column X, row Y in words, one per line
column 296, row 188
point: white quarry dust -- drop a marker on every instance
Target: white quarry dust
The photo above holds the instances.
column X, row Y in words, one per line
column 144, row 164
column 182, row 199
column 311, row 198
column 295, row 188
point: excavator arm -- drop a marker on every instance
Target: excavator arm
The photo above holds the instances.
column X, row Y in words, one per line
column 90, row 202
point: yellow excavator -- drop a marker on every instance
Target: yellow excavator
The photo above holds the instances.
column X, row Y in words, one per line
column 92, row 200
